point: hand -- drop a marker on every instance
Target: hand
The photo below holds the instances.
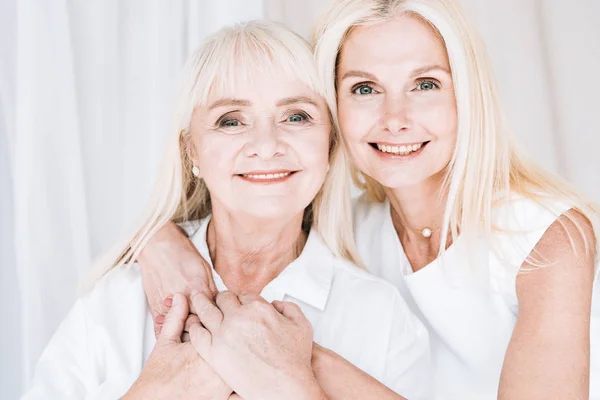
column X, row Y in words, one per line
column 174, row 369
column 171, row 263
column 263, row 351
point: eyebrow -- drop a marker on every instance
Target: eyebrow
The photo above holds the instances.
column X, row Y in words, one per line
column 229, row 102
column 295, row 100
column 429, row 68
column 359, row 74
column 418, row 71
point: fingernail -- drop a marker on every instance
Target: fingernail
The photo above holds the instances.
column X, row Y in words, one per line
column 160, row 319
column 168, row 301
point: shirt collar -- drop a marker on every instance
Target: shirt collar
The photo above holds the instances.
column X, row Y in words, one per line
column 308, row 278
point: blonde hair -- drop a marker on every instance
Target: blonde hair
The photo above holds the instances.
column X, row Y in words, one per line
column 486, row 167
column 232, row 53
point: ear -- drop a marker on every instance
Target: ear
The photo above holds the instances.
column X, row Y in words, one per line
column 189, row 150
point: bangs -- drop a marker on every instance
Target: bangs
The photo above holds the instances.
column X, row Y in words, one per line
column 248, row 51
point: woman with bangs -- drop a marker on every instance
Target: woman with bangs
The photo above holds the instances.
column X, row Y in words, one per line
column 497, row 257
column 253, row 168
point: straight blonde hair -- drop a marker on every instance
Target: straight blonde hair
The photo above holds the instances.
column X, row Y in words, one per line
column 237, row 52
column 486, row 166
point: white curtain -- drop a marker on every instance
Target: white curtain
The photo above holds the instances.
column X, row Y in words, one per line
column 86, row 93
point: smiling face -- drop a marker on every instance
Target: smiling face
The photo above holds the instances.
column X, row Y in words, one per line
column 263, row 151
column 396, row 102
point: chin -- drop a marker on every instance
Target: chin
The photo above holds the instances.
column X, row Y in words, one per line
column 400, row 180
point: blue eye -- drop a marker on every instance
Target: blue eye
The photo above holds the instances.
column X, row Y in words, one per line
column 231, row 123
column 427, row 85
column 296, row 118
column 363, row 90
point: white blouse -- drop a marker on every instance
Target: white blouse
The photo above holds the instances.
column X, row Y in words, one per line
column 100, row 348
column 467, row 299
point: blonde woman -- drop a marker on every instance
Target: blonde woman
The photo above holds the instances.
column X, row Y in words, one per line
column 496, row 256
column 253, row 160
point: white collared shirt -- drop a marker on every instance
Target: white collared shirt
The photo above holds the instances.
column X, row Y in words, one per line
column 100, row 348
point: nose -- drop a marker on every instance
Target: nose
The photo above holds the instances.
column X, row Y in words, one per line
column 396, row 114
column 265, row 142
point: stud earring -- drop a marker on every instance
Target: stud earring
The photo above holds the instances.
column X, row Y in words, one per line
column 195, row 171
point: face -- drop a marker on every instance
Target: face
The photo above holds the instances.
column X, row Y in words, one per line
column 262, row 151
column 396, row 103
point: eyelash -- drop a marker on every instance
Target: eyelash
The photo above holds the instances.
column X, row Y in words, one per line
column 434, row 82
column 227, row 118
column 221, row 122
column 360, row 85
column 306, row 116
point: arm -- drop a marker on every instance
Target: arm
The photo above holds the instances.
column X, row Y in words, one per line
column 549, row 353
column 339, row 379
column 171, row 263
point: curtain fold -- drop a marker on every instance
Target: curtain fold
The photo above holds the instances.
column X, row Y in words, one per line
column 86, row 98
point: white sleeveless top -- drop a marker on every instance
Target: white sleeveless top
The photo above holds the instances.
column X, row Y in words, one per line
column 467, row 299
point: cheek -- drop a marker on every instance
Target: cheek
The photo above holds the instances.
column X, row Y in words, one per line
column 311, row 148
column 439, row 118
column 355, row 120
column 216, row 155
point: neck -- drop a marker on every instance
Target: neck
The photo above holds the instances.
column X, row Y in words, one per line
column 413, row 209
column 248, row 253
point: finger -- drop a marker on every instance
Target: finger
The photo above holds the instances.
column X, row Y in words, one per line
column 157, row 330
column 191, row 319
column 227, row 301
column 201, row 339
column 204, row 283
column 158, row 310
column 153, row 293
column 175, row 320
column 290, row 310
column 212, row 286
column 250, row 298
column 159, row 320
column 208, row 313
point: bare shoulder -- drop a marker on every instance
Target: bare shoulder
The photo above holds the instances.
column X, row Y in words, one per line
column 560, row 269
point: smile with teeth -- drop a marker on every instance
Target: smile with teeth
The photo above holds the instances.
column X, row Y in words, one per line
column 401, row 150
column 267, row 176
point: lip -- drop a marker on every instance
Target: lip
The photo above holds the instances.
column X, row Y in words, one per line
column 247, row 176
column 399, row 144
column 397, row 157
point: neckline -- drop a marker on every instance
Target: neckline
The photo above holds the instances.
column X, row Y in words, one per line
column 406, row 267
column 308, row 278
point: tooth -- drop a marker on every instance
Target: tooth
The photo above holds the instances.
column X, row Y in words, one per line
column 403, row 149
column 394, row 149
column 415, row 147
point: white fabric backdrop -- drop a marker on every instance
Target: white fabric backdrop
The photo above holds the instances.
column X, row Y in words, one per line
column 86, row 90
